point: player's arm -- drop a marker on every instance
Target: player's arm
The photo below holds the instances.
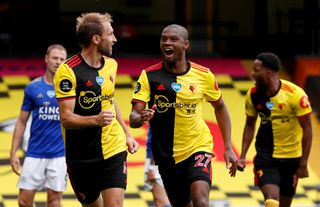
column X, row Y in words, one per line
column 132, row 144
column 223, row 119
column 70, row 120
column 305, row 123
column 139, row 114
column 247, row 137
column 18, row 132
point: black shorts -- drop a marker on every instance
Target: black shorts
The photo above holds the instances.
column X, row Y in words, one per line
column 177, row 179
column 89, row 179
column 276, row 171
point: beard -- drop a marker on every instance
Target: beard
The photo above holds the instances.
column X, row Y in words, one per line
column 171, row 63
column 104, row 51
column 261, row 88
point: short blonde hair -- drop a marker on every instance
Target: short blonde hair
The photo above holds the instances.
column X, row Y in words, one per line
column 89, row 24
column 55, row 46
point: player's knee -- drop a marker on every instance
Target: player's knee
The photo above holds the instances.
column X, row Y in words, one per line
column 25, row 202
column 161, row 203
column 54, row 203
column 271, row 203
column 200, row 202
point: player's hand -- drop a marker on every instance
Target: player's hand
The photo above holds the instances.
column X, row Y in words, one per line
column 302, row 172
column 241, row 164
column 231, row 161
column 151, row 176
column 132, row 144
column 15, row 164
column 147, row 114
column 105, row 118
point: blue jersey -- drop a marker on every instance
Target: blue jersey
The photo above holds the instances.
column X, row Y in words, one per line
column 45, row 134
column 148, row 145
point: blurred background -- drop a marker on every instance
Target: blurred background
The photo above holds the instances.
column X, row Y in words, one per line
column 218, row 29
column 222, row 28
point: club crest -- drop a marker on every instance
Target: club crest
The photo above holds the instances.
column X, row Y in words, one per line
column 51, row 93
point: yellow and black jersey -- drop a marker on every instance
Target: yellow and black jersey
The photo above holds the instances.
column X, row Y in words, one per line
column 280, row 133
column 93, row 89
column 178, row 129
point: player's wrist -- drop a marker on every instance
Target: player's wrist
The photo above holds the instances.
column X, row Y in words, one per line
column 152, row 167
column 139, row 120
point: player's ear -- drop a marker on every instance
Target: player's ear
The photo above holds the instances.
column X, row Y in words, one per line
column 95, row 39
column 187, row 45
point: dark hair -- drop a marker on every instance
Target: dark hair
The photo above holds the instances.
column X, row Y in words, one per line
column 270, row 60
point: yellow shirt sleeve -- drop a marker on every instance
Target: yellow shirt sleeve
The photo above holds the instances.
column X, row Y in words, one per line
column 64, row 82
column 211, row 90
column 142, row 90
column 301, row 103
column 250, row 110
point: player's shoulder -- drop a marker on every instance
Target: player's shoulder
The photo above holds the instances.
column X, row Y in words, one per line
column 35, row 82
column 110, row 60
column 154, row 67
column 199, row 67
column 34, row 85
column 252, row 90
column 73, row 61
column 290, row 87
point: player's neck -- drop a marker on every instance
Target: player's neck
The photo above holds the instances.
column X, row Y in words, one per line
column 91, row 57
column 48, row 78
column 178, row 67
column 273, row 87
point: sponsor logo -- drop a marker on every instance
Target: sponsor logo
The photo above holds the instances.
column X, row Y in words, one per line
column 161, row 87
column 99, row 80
column 176, row 87
column 216, row 86
column 40, row 95
column 88, row 83
column 265, row 119
column 51, row 93
column 46, row 103
column 163, row 104
column 259, row 106
column 269, row 105
column 304, row 102
column 47, row 112
column 87, row 99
